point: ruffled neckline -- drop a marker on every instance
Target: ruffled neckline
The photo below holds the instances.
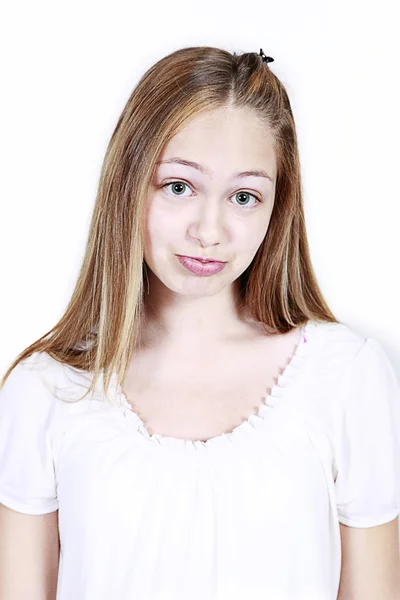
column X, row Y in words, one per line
column 244, row 429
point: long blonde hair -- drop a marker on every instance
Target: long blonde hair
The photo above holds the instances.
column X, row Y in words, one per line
column 102, row 322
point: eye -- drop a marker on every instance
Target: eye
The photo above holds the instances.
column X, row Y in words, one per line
column 246, row 195
column 178, row 185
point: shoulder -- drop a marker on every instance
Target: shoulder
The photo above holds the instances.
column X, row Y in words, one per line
column 343, row 361
column 333, row 347
column 343, row 350
column 27, row 384
column 28, row 413
column 338, row 337
column 38, row 384
column 351, row 375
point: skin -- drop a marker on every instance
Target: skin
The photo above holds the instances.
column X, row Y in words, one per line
column 209, row 218
column 193, row 320
column 214, row 362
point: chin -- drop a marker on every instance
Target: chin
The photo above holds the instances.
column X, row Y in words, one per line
column 191, row 285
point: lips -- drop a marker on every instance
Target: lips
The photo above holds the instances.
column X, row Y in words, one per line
column 203, row 260
column 201, row 267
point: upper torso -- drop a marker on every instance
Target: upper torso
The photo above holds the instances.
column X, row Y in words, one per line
column 230, row 492
column 201, row 394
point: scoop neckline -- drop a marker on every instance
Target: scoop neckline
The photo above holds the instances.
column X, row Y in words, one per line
column 243, row 429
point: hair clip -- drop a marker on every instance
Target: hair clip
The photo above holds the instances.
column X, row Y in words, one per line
column 266, row 59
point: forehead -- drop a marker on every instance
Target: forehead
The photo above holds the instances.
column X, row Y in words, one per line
column 224, row 139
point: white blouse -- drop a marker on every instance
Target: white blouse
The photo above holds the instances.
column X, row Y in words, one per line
column 252, row 514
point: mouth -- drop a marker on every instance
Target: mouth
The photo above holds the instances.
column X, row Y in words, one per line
column 202, row 260
column 201, row 266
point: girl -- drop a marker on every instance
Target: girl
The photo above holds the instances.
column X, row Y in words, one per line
column 198, row 424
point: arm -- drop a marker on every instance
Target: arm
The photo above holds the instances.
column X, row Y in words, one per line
column 370, row 562
column 29, row 555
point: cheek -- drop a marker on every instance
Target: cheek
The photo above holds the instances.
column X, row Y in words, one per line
column 249, row 237
column 259, row 236
column 161, row 227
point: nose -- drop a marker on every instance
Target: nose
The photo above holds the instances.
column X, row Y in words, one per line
column 207, row 225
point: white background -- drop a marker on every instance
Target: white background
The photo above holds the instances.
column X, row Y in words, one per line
column 68, row 69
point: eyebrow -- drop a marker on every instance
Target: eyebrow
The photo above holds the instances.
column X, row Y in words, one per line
column 190, row 163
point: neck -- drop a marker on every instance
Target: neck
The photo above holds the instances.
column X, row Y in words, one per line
column 196, row 322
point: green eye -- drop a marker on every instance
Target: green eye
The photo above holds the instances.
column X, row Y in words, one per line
column 246, row 195
column 178, row 185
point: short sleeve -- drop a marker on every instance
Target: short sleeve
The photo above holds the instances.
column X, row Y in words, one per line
column 367, row 483
column 27, row 475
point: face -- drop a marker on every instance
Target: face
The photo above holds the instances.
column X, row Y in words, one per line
column 208, row 209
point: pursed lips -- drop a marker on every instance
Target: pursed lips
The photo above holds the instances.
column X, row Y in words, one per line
column 201, row 259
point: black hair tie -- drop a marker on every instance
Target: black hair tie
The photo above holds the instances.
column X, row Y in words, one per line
column 266, row 59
